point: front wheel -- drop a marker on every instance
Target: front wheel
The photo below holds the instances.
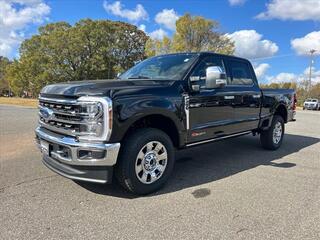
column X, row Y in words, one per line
column 272, row 138
column 146, row 161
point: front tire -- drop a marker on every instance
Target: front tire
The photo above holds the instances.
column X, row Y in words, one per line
column 146, row 161
column 271, row 139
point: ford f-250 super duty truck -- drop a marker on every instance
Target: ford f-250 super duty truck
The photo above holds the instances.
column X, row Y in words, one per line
column 131, row 126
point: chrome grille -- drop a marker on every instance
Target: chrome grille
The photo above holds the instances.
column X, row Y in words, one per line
column 88, row 118
column 65, row 117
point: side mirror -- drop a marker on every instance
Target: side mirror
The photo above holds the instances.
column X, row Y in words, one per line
column 194, row 83
column 215, row 77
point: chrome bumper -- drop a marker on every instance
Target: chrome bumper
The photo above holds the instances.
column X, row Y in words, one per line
column 72, row 149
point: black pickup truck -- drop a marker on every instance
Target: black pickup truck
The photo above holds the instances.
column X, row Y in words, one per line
column 132, row 126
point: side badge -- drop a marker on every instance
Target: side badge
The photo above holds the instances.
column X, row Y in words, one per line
column 197, row 134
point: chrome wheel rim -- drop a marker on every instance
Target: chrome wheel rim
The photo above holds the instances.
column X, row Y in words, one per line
column 151, row 162
column 277, row 133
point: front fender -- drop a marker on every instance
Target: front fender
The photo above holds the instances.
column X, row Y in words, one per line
column 128, row 111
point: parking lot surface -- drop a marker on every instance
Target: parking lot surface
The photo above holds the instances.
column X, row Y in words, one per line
column 231, row 189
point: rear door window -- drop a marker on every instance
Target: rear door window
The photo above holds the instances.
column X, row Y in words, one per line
column 240, row 73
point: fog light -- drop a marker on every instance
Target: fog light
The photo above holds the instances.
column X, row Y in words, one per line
column 87, row 154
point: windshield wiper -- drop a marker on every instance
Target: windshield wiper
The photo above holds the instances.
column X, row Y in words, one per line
column 139, row 77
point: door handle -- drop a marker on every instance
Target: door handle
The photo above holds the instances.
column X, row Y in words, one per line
column 228, row 97
column 195, row 105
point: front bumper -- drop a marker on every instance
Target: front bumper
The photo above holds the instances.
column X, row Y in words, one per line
column 84, row 161
column 95, row 174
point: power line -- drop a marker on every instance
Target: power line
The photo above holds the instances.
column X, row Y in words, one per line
column 277, row 56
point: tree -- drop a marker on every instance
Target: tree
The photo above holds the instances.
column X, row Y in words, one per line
column 315, row 91
column 4, row 85
column 88, row 50
column 193, row 34
column 301, row 89
column 157, row 47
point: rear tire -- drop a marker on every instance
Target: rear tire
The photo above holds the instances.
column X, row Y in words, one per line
column 271, row 139
column 146, row 161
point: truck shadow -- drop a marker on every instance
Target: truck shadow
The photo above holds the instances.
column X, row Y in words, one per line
column 211, row 162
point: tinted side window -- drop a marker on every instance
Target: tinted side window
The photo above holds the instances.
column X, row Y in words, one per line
column 200, row 70
column 240, row 73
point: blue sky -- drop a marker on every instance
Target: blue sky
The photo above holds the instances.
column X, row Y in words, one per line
column 274, row 34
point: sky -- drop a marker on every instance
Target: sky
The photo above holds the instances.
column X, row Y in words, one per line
column 276, row 35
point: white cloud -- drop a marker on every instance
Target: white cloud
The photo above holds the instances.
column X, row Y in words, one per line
column 315, row 75
column 303, row 45
column 292, row 10
column 236, row 2
column 167, row 18
column 158, row 34
column 283, row 77
column 299, row 78
column 261, row 70
column 6, row 48
column 15, row 17
column 116, row 8
column 142, row 27
column 249, row 44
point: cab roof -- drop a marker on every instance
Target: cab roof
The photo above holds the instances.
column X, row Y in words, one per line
column 204, row 53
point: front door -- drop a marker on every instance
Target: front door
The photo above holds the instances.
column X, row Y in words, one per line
column 210, row 110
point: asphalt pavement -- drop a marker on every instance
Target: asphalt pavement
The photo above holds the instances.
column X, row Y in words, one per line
column 231, row 189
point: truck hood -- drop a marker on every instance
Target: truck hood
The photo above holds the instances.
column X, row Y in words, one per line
column 101, row 87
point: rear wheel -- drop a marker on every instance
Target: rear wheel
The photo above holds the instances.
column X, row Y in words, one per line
column 146, row 161
column 272, row 138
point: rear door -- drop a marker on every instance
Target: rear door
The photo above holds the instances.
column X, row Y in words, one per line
column 246, row 92
column 210, row 110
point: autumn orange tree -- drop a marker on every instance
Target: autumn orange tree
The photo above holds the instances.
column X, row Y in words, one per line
column 193, row 34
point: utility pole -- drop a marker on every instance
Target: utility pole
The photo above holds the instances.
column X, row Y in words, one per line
column 312, row 51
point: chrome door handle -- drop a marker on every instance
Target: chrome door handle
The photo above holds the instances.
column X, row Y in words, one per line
column 228, row 97
column 195, row 105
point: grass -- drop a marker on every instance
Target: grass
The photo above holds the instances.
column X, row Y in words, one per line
column 27, row 102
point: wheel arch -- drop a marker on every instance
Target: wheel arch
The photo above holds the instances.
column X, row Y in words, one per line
column 158, row 121
column 280, row 110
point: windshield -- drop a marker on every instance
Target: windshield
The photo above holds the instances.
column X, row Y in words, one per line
column 314, row 100
column 166, row 67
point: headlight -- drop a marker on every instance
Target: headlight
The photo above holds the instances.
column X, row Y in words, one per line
column 97, row 116
column 91, row 110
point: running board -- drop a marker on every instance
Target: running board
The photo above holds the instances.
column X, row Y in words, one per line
column 218, row 138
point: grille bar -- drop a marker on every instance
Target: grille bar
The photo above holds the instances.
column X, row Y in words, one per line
column 74, row 119
column 65, row 117
column 87, row 118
